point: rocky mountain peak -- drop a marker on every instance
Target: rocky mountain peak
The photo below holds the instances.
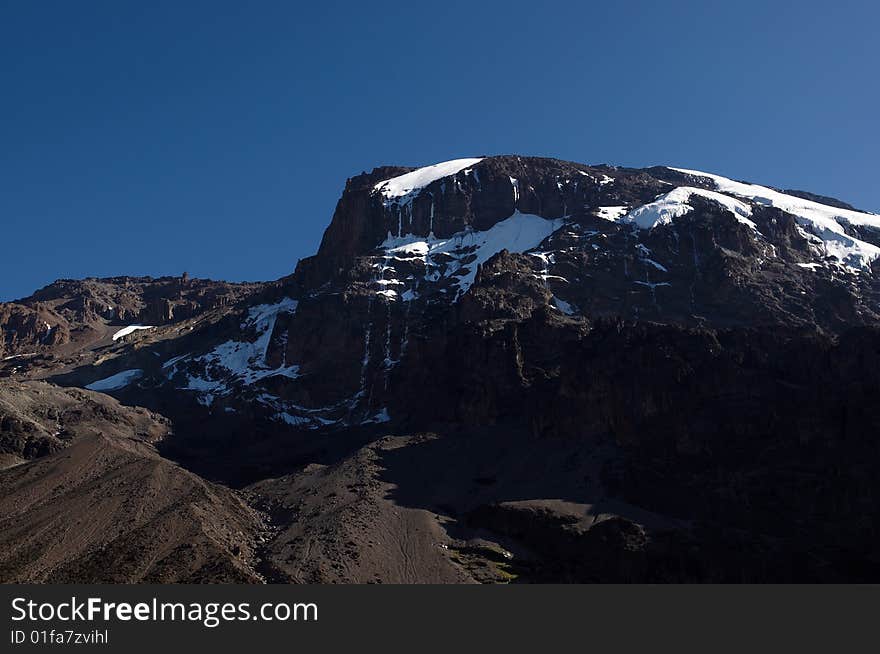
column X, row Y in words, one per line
column 666, row 344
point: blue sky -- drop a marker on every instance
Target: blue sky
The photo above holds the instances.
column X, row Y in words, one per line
column 215, row 137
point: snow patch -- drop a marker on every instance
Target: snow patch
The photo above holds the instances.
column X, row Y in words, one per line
column 388, row 293
column 309, row 422
column 564, row 306
column 117, row 381
column 171, row 362
column 612, row 213
column 19, row 356
column 826, row 222
column 125, row 331
column 674, row 204
column 651, row 262
column 407, row 185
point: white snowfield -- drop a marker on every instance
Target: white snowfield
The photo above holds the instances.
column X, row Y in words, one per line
column 675, row 204
column 519, row 233
column 125, row 331
column 117, row 381
column 412, row 182
column 825, row 222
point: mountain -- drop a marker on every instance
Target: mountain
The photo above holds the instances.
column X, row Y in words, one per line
column 508, row 368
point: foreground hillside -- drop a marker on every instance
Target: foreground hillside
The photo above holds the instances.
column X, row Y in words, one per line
column 85, row 496
column 506, row 369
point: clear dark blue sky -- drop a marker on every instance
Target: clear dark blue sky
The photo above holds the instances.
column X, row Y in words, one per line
column 215, row 137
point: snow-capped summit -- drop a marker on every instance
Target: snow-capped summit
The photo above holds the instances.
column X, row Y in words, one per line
column 526, row 328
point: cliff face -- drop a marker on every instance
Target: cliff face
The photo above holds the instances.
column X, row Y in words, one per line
column 476, row 194
column 485, row 243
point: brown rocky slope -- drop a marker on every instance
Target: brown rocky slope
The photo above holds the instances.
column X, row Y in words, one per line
column 85, row 496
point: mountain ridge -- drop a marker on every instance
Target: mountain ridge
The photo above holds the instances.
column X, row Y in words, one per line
column 582, row 358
